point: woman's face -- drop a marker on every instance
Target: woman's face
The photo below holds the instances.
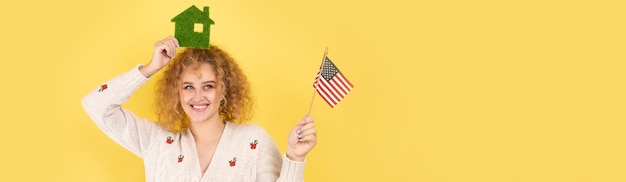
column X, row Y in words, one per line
column 199, row 95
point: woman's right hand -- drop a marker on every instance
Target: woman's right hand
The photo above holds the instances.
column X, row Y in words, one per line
column 164, row 51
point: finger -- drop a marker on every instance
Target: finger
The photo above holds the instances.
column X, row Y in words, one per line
column 171, row 48
column 170, row 38
column 306, row 129
column 169, row 45
column 161, row 44
column 306, row 126
column 311, row 131
column 308, row 132
column 307, row 119
column 304, row 122
column 309, row 138
column 295, row 132
column 173, row 40
column 160, row 48
column 302, row 137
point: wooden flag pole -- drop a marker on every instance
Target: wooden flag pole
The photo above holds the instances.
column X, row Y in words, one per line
column 315, row 89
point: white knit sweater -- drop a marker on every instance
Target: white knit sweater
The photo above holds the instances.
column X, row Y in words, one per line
column 244, row 153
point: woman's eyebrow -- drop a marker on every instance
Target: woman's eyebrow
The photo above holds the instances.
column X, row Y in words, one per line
column 204, row 82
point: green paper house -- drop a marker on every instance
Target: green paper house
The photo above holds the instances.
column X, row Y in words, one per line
column 193, row 27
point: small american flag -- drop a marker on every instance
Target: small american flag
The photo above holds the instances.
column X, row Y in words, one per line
column 331, row 84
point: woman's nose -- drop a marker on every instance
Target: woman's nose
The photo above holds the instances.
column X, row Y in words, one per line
column 198, row 94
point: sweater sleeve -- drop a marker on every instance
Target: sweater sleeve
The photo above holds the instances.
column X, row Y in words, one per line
column 103, row 105
column 271, row 163
column 291, row 170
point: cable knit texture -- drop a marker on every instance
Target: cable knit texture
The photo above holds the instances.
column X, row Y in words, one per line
column 245, row 152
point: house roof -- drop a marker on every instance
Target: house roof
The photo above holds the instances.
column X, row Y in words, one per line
column 195, row 15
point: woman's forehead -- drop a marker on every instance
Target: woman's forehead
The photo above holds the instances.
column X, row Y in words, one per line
column 200, row 71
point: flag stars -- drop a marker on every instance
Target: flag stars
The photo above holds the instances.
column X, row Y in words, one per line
column 329, row 70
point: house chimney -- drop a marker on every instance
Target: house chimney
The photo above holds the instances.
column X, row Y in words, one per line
column 206, row 10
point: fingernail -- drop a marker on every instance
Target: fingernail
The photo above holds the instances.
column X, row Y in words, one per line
column 298, row 132
column 301, row 122
column 299, row 136
column 178, row 45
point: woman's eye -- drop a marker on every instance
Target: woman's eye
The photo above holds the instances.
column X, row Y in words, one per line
column 188, row 87
column 208, row 86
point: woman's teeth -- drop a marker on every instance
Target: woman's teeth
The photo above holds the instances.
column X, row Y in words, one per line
column 199, row 107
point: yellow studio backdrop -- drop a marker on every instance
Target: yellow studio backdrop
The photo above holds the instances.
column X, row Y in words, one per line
column 445, row 91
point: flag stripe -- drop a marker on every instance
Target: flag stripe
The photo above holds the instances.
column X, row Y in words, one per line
column 332, row 90
column 337, row 88
column 329, row 96
column 344, row 81
column 339, row 93
column 340, row 85
column 329, row 92
column 326, row 98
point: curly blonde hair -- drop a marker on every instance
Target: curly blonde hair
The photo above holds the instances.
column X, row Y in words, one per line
column 232, row 82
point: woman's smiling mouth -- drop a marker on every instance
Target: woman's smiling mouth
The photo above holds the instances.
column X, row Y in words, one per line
column 199, row 107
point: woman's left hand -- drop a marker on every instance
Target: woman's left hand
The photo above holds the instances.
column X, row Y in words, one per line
column 302, row 139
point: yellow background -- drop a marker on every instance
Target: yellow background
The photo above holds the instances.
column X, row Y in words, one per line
column 445, row 91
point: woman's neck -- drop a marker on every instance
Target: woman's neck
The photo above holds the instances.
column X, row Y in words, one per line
column 207, row 131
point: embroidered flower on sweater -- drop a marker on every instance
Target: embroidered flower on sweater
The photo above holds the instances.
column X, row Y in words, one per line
column 103, row 87
column 169, row 140
column 180, row 158
column 253, row 144
column 233, row 162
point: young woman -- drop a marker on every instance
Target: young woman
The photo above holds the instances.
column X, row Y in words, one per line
column 203, row 103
